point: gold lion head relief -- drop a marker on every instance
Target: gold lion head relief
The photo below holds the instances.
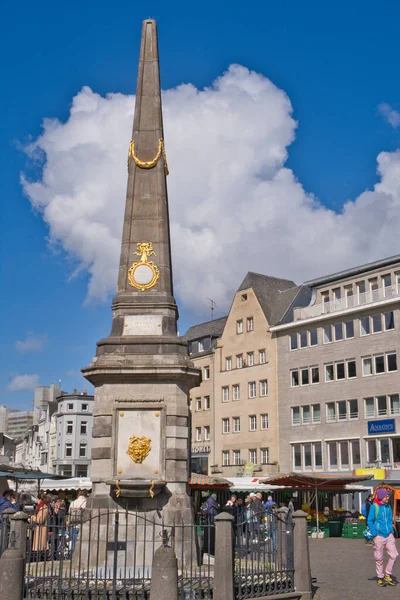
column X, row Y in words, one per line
column 139, row 448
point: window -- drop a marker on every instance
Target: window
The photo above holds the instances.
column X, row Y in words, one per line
column 367, row 366
column 379, row 364
column 236, row 424
column 225, row 458
column 294, row 378
column 228, row 363
column 391, row 362
column 307, row 456
column 316, row 413
column 239, row 326
column 84, row 427
column 330, row 412
column 355, row 452
column 225, row 394
column 377, row 323
column 198, row 403
column 382, row 406
column 70, row 427
column 293, row 341
column 373, row 283
column 250, row 359
column 372, row 451
column 360, row 286
column 264, row 387
column 337, row 295
column 225, row 425
column 84, row 408
column 348, row 291
column 244, row 297
column 239, row 361
column 198, row 434
column 305, row 380
column 236, row 457
column 327, row 337
column 306, row 415
column 394, row 404
column 296, row 415
column 318, row 455
column 365, row 326
column 207, row 403
column 340, row 373
column 369, row 407
column 332, row 454
column 253, row 456
column 386, row 284
column 206, row 372
column 349, row 329
column 207, row 432
column 264, row 421
column 344, row 453
column 261, row 356
column 70, row 407
column 353, row 409
column 313, row 337
column 341, row 410
column 297, row 456
column 338, row 328
column 389, row 320
column 250, row 324
column 303, row 339
column 236, row 391
column 264, row 456
column 351, row 368
column 252, row 422
column 252, row 389
column 325, row 297
column 314, row 374
column 385, row 452
column 329, row 372
column 68, row 449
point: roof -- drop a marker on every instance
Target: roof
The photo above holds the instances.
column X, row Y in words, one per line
column 205, row 481
column 311, row 482
column 274, row 295
column 301, row 298
column 208, row 329
column 384, row 262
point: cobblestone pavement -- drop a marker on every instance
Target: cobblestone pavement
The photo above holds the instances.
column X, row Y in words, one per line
column 345, row 570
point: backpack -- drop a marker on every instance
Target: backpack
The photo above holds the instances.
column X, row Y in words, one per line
column 204, row 509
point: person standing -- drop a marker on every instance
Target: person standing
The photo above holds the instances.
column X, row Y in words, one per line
column 76, row 509
column 365, row 512
column 41, row 529
column 380, row 523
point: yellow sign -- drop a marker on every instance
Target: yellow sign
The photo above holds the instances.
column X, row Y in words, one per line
column 377, row 473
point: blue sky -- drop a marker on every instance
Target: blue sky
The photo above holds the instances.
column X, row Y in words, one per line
column 337, row 63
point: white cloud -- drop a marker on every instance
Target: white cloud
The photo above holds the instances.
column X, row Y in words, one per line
column 391, row 115
column 234, row 205
column 32, row 343
column 20, row 383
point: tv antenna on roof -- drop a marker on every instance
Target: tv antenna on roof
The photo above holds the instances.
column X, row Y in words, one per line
column 213, row 306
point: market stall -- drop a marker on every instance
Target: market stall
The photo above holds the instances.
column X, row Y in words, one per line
column 332, row 483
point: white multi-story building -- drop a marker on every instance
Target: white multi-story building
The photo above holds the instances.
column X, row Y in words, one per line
column 74, row 422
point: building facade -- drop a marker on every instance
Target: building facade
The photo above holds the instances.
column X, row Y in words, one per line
column 18, row 422
column 338, row 378
column 43, row 395
column 74, row 422
column 234, row 410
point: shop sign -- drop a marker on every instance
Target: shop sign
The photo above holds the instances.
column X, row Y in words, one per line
column 384, row 426
column 201, row 449
column 377, row 473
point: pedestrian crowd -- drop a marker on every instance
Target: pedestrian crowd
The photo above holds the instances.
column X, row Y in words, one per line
column 54, row 522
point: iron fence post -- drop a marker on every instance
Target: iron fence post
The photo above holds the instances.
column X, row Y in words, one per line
column 115, row 564
column 301, row 558
column 224, row 584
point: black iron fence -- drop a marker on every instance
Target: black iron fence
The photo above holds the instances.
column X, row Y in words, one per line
column 108, row 555
column 105, row 554
column 263, row 554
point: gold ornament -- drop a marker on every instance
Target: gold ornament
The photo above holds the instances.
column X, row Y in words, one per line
column 149, row 164
column 139, row 448
column 151, row 489
column 150, row 271
column 118, row 491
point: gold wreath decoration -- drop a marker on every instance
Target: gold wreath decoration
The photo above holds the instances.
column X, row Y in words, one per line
column 149, row 164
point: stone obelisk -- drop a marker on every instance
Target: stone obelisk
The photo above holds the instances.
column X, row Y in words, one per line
column 141, row 371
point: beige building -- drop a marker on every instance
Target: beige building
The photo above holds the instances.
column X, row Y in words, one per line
column 234, row 410
column 338, row 378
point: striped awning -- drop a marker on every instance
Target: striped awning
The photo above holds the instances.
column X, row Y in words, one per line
column 205, row 481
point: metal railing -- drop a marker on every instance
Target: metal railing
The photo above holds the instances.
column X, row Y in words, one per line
column 264, row 558
column 107, row 555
